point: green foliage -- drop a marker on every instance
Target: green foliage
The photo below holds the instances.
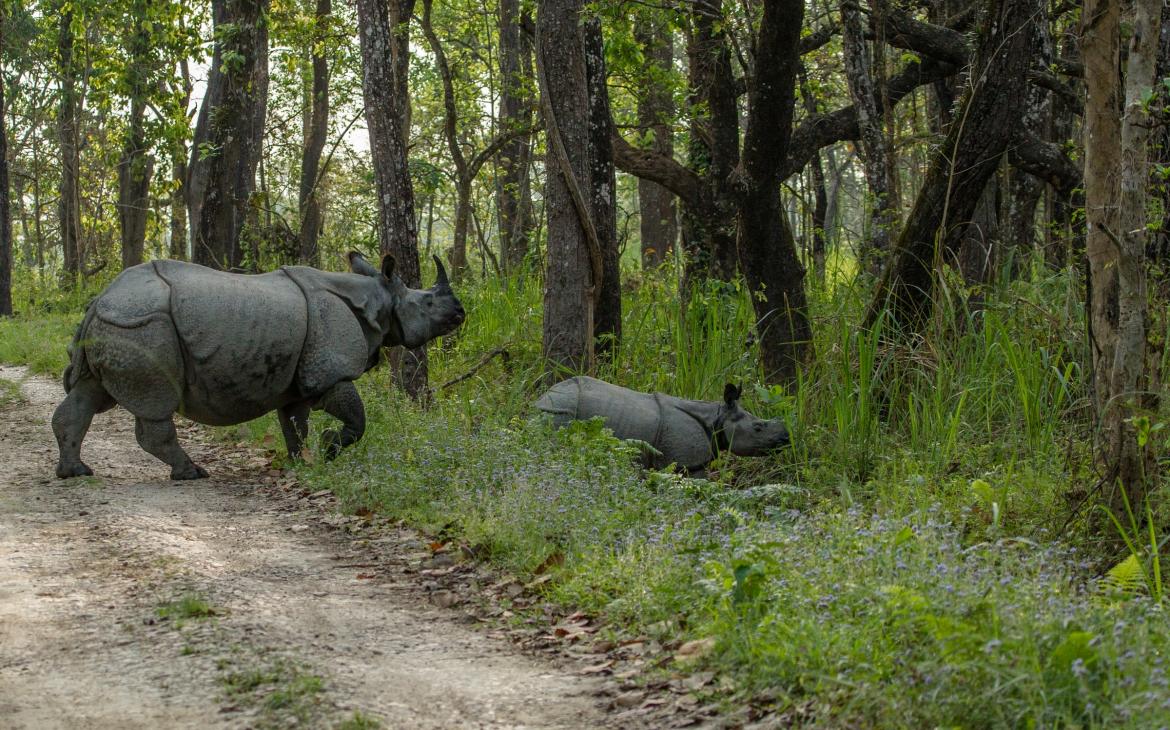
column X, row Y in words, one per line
column 38, row 342
column 187, row 607
column 9, row 393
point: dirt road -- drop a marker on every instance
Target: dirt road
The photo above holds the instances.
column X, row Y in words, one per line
column 127, row 600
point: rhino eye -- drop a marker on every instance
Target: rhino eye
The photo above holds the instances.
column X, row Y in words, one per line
column 758, row 427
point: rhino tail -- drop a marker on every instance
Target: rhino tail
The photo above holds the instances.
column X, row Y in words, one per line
column 78, row 366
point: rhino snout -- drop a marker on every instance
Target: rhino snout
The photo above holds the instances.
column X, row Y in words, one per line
column 760, row 437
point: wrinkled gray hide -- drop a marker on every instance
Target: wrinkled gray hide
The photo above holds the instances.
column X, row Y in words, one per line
column 170, row 337
column 689, row 433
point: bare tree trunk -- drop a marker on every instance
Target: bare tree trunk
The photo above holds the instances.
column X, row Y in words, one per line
column 574, row 271
column 1063, row 233
column 821, row 197
column 69, row 194
column 709, row 231
column 384, row 65
column 1024, row 191
column 134, row 173
column 516, row 105
column 179, row 230
column 5, row 207
column 767, row 250
column 180, row 199
column 658, row 224
column 316, row 129
column 1127, row 374
column 876, row 154
column 237, row 100
column 969, row 156
column 1100, row 50
column 463, row 177
column 607, row 313
column 136, row 166
column 979, row 246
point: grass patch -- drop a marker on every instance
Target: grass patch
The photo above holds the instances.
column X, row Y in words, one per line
column 282, row 688
column 359, row 721
column 38, row 342
column 10, row 394
column 188, row 607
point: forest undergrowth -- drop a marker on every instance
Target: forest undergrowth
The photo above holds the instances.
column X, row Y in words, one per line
column 928, row 552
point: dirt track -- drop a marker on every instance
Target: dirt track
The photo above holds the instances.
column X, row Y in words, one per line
column 86, row 564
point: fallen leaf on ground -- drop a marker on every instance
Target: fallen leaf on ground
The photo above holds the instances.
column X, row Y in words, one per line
column 598, row 668
column 694, row 650
column 554, row 560
column 446, row 599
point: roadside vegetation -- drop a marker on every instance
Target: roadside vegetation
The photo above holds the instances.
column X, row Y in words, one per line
column 926, row 554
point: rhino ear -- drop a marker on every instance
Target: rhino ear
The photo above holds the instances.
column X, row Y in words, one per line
column 731, row 394
column 359, row 265
column 388, row 264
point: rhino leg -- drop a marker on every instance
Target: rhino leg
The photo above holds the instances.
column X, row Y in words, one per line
column 294, row 424
column 343, row 403
column 158, row 438
column 71, row 422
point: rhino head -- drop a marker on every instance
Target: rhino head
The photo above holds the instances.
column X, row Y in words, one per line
column 745, row 434
column 417, row 315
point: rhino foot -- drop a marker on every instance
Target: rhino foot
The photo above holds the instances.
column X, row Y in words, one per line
column 191, row 471
column 76, row 469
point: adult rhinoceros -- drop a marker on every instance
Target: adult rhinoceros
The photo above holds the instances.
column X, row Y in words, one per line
column 170, row 337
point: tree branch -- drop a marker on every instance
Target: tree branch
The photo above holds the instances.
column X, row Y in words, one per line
column 657, row 167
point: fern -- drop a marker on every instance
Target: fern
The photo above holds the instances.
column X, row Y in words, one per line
column 1127, row 577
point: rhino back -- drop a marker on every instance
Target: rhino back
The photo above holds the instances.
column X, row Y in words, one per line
column 628, row 413
column 242, row 337
column 135, row 297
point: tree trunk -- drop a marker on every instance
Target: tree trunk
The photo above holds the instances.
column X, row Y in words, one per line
column 384, row 65
column 1024, row 190
column 237, row 102
column 709, row 230
column 1100, row 51
column 463, row 176
column 574, row 271
column 657, row 217
column 969, row 156
column 69, row 194
column 5, row 207
column 134, row 173
column 1127, row 377
column 876, row 154
column 979, row 248
column 821, row 197
column 607, row 312
column 136, row 166
column 1064, row 233
column 767, row 250
column 515, row 113
column 1158, row 251
column 179, row 230
column 316, row 129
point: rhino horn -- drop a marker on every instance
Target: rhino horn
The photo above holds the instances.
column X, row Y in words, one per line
column 442, row 278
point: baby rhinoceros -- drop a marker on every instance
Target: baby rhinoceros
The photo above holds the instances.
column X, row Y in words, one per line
column 169, row 337
column 688, row 433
